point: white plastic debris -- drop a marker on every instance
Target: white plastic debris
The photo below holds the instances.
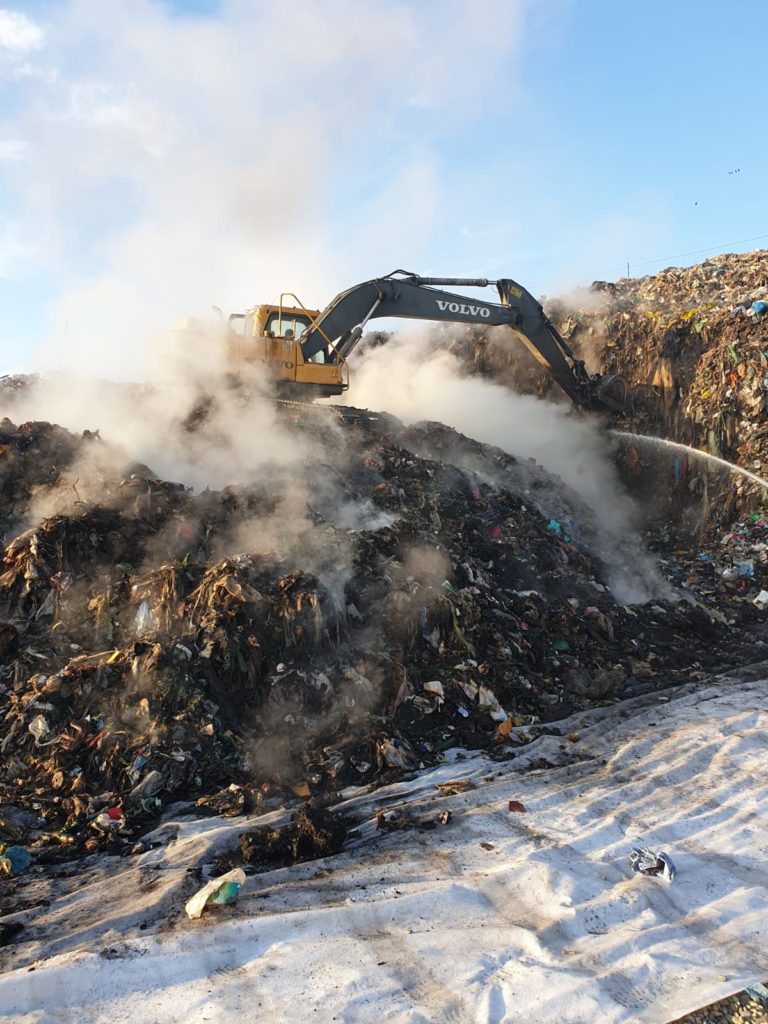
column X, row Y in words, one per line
column 487, row 699
column 761, row 601
column 221, row 890
column 646, row 862
column 435, row 687
column 39, row 728
column 144, row 620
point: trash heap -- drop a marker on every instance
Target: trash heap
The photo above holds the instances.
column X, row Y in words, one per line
column 730, row 568
column 438, row 594
column 31, row 456
column 692, row 341
column 694, row 344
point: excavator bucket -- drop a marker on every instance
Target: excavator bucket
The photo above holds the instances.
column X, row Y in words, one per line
column 612, row 392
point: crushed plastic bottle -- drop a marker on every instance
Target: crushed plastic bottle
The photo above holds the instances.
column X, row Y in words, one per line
column 646, row 862
column 144, row 620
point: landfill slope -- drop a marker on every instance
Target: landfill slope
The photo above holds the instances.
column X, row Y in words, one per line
column 692, row 341
column 404, row 591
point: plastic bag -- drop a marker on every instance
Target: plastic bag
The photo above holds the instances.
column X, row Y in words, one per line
column 221, row 890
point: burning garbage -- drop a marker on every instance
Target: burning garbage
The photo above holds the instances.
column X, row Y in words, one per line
column 162, row 646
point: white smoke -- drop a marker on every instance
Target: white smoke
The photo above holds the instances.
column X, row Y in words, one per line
column 158, row 163
column 162, row 163
column 414, row 380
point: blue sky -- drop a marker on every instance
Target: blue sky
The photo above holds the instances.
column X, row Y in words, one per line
column 156, row 158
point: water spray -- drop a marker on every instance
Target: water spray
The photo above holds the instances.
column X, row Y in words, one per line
column 730, row 466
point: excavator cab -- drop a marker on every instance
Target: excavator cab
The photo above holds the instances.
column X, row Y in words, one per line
column 266, row 341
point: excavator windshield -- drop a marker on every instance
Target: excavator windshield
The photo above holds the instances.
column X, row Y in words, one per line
column 289, row 325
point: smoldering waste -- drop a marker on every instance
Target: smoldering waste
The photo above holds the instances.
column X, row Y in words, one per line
column 692, row 341
column 430, row 593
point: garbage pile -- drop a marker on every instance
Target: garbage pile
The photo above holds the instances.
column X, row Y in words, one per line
column 732, row 567
column 436, row 593
column 32, row 456
column 692, row 341
column 694, row 344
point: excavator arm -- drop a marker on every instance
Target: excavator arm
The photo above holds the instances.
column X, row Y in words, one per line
column 339, row 327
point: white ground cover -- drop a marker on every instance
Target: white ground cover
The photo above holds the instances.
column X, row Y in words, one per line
column 547, row 925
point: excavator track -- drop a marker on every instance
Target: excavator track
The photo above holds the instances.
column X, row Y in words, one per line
column 200, row 412
column 346, row 413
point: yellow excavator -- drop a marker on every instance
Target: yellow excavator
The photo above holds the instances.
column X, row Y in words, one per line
column 306, row 351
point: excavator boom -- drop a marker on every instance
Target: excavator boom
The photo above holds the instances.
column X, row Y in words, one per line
column 339, row 327
column 304, row 349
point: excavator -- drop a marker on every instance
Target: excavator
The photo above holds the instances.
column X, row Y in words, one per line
column 306, row 351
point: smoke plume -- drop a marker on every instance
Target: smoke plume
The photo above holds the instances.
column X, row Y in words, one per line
column 157, row 163
column 415, row 380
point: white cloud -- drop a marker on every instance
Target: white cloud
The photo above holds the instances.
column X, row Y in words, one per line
column 13, row 149
column 16, row 252
column 18, row 33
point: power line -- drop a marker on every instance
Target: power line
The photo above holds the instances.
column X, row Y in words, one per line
column 694, row 252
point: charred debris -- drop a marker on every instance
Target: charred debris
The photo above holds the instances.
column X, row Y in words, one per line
column 162, row 648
